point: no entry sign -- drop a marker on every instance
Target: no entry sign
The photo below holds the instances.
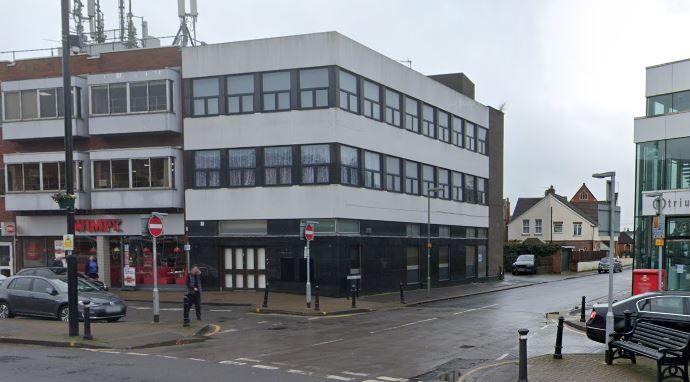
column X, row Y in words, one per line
column 155, row 226
column 309, row 232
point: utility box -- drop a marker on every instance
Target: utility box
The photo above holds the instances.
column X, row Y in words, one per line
column 647, row 280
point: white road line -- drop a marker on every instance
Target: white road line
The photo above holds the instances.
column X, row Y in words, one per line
column 473, row 309
column 262, row 322
column 247, row 359
column 227, row 331
column 502, row 357
column 166, row 356
column 197, row 359
column 404, row 325
column 232, row 363
column 295, row 371
column 327, row 342
column 355, row 374
column 142, row 308
column 545, row 326
column 338, row 378
column 391, row 379
column 266, row 367
column 220, row 310
column 142, row 354
column 110, row 352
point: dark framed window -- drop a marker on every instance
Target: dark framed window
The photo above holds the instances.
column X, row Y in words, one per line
column 51, row 176
column 119, row 169
column 372, row 102
column 205, row 95
column 393, row 178
column 443, row 126
column 481, row 140
column 470, row 136
column 393, row 107
column 276, row 91
column 99, row 99
column 470, row 188
column 411, row 114
column 2, row 181
column 207, row 168
column 349, row 165
column 443, row 182
column 411, row 177
column 48, row 100
column 428, row 179
column 315, row 161
column 241, row 167
column 457, row 188
column 456, row 134
column 240, row 97
column 12, row 106
column 348, row 95
column 278, row 165
column 29, row 104
column 158, row 95
column 313, row 88
column 428, row 121
column 138, row 97
column 32, row 177
column 482, row 184
column 372, row 170
column 117, row 96
column 101, row 174
column 15, row 177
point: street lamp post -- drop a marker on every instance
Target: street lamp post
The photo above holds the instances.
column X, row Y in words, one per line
column 428, row 237
column 662, row 222
column 612, row 207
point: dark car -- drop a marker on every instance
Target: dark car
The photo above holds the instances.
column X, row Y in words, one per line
column 604, row 265
column 59, row 272
column 670, row 309
column 47, row 297
column 525, row 264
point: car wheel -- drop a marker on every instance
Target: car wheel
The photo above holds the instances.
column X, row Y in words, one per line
column 63, row 314
column 5, row 310
column 514, row 273
column 599, row 270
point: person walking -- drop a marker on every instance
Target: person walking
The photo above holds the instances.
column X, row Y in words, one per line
column 92, row 268
column 194, row 292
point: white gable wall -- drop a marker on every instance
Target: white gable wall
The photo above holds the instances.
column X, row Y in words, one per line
column 562, row 213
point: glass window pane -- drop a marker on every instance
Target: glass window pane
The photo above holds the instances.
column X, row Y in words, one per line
column 372, row 161
column 15, row 177
column 348, row 156
column 307, row 99
column 32, row 177
column 99, row 99
column 316, row 154
column 29, row 104
column 48, row 101
column 158, row 96
column 101, row 174
column 348, row 81
column 234, row 104
column 392, row 99
column 241, row 84
column 283, row 101
column 313, row 78
column 659, row 105
column 205, row 87
column 140, row 173
column 138, row 96
column 242, row 158
column 681, row 101
column 392, row 165
column 160, row 172
column 212, row 106
column 120, row 173
column 411, row 106
column 278, row 156
column 428, row 113
column 12, row 110
column 269, row 102
column 321, row 98
column 209, row 159
column 118, row 98
column 50, row 176
column 276, row 81
column 371, row 91
column 247, row 103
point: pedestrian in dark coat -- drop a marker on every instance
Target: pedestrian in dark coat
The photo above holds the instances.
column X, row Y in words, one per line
column 194, row 291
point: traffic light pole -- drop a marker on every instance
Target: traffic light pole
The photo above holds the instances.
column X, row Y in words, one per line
column 72, row 295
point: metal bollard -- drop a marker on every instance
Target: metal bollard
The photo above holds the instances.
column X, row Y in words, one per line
column 402, row 293
column 582, row 310
column 87, row 320
column 522, row 377
column 317, row 305
column 265, row 303
column 628, row 322
column 559, row 340
column 185, row 310
column 353, row 292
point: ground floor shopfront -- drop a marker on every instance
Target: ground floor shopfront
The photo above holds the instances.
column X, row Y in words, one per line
column 116, row 241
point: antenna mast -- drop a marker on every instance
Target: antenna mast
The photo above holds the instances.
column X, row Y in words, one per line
column 131, row 29
column 184, row 36
column 121, row 7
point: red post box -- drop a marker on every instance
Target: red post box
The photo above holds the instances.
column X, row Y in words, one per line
column 647, row 280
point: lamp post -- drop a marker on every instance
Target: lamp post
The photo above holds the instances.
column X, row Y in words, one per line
column 662, row 222
column 428, row 237
column 612, row 206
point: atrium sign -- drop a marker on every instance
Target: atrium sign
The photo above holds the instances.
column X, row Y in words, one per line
column 675, row 202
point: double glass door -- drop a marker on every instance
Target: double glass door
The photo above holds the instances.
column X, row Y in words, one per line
column 245, row 268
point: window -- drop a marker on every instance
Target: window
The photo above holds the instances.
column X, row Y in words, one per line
column 372, row 104
column 348, row 95
column 23, row 283
column 12, row 106
column 51, row 176
column 278, row 165
column 117, row 96
column 140, row 173
column 659, row 105
column 677, row 163
column 321, row 226
column 443, row 183
column 15, row 177
column 681, row 101
column 32, row 177
column 537, row 226
column 470, row 189
column 48, row 100
column 99, row 99
column 355, row 260
column 240, row 98
column 243, row 227
column 428, row 121
column 372, row 170
column 456, row 136
column 668, row 305
column 393, row 180
column 35, row 104
column 313, row 86
column 443, row 126
column 471, row 233
column 525, row 226
column 158, row 95
column 443, row 262
column 101, row 174
column 411, row 178
column 482, row 233
column 481, row 140
column 428, row 179
column 2, row 182
column 41, row 286
column 481, row 190
column 138, row 96
column 347, row 226
column 457, row 187
column 411, row 114
column 242, row 167
column 161, row 171
column 349, row 166
column 577, row 229
column 470, row 141
column 276, row 91
column 316, row 160
column 120, row 173
column 144, row 173
column 207, row 168
column 393, row 107
column 583, row 195
column 443, row 231
column 557, row 227
column 412, row 265
column 205, row 94
column 412, row 230
column 48, row 176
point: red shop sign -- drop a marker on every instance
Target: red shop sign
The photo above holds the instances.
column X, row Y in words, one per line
column 98, row 225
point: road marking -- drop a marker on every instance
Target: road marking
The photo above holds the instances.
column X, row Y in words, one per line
column 474, row 309
column 391, row 379
column 404, row 325
column 545, row 326
column 110, row 352
column 227, row 331
column 472, row 371
column 133, row 353
column 166, row 356
column 232, row 363
column 355, row 374
column 327, row 342
column 266, row 367
column 142, row 308
column 502, row 357
column 262, row 322
column 338, row 378
column 220, row 310
column 295, row 371
column 197, row 359
column 247, row 360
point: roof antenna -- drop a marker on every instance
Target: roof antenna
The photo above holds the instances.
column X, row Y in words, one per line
column 184, row 36
column 408, row 62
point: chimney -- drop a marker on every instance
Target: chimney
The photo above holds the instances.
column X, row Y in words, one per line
column 550, row 190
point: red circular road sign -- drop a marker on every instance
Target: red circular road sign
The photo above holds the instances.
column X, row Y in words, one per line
column 309, row 232
column 155, row 226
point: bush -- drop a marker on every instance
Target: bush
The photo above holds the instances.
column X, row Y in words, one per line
column 540, row 250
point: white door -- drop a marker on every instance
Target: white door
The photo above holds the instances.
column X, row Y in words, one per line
column 6, row 259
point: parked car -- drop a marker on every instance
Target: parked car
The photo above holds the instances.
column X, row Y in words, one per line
column 59, row 272
column 525, row 264
column 604, row 265
column 668, row 308
column 47, row 297
column 2, row 278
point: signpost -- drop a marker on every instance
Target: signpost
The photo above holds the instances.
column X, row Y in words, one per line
column 309, row 235
column 659, row 231
column 155, row 225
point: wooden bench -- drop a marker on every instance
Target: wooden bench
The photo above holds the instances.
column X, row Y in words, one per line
column 668, row 347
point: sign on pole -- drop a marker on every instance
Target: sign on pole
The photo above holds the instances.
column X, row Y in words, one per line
column 68, row 242
column 59, row 249
column 129, row 275
column 155, row 226
column 309, row 232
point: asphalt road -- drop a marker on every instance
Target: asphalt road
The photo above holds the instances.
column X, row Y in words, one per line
column 407, row 343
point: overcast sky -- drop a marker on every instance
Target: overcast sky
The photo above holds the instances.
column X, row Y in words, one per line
column 571, row 73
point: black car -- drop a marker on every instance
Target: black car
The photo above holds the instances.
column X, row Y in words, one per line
column 525, row 264
column 670, row 309
column 604, row 265
column 59, row 272
column 47, row 297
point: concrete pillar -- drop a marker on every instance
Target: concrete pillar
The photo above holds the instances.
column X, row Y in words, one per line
column 103, row 259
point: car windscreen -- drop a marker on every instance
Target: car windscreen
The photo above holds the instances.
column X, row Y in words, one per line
column 82, row 286
column 525, row 258
column 604, row 260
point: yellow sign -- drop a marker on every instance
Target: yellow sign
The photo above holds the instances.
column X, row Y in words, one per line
column 659, row 242
column 655, row 222
column 68, row 242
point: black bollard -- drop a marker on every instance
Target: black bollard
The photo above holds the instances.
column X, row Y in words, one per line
column 185, row 310
column 87, row 320
column 559, row 340
column 317, row 305
column 582, row 310
column 353, row 292
column 265, row 304
column 522, row 377
column 628, row 322
column 402, row 294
